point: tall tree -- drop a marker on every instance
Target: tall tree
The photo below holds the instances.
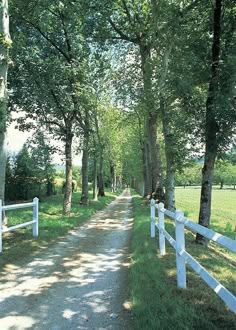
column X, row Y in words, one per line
column 53, row 74
column 5, row 44
column 130, row 22
column 218, row 123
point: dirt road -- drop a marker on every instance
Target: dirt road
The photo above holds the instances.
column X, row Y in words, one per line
column 79, row 283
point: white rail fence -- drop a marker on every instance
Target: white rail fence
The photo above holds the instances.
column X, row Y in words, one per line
column 34, row 222
column 182, row 256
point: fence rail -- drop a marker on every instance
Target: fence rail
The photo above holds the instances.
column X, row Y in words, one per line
column 182, row 256
column 34, row 222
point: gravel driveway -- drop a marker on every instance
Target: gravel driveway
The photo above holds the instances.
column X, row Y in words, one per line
column 79, row 283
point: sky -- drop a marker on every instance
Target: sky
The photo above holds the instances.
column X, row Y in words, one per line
column 16, row 139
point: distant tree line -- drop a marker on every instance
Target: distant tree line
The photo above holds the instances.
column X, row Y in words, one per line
column 30, row 172
column 224, row 173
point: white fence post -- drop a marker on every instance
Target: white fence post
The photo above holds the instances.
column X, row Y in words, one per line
column 180, row 246
column 152, row 219
column 161, row 221
column 0, row 225
column 36, row 217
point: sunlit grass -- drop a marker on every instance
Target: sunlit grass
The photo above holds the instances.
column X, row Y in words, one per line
column 223, row 215
column 52, row 225
column 157, row 303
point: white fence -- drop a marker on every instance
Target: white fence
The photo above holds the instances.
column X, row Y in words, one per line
column 183, row 257
column 34, row 222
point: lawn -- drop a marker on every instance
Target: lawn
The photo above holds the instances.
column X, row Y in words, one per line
column 223, row 216
column 157, row 303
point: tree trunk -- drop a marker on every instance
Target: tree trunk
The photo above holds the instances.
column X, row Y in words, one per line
column 68, row 183
column 211, row 128
column 170, row 160
column 84, row 194
column 146, row 169
column 3, row 159
column 221, row 183
column 113, row 177
column 153, row 164
column 95, row 179
column 49, row 187
column 101, row 191
column 5, row 44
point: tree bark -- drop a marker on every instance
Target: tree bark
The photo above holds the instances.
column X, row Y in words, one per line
column 170, row 161
column 95, row 179
column 5, row 44
column 3, row 159
column 153, row 164
column 101, row 191
column 113, row 177
column 68, row 183
column 211, row 127
column 84, row 194
column 146, row 167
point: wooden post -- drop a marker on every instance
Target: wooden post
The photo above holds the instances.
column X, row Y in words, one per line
column 180, row 246
column 0, row 225
column 161, row 221
column 152, row 218
column 36, row 217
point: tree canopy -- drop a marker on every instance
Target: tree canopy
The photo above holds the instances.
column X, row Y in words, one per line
column 141, row 88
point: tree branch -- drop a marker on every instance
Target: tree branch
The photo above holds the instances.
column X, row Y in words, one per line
column 127, row 11
column 122, row 35
column 44, row 35
column 58, row 105
column 69, row 48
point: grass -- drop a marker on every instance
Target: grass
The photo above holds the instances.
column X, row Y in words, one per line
column 52, row 225
column 223, row 208
column 157, row 302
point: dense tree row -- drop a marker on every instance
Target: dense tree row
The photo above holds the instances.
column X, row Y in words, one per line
column 143, row 85
column 224, row 173
column 30, row 173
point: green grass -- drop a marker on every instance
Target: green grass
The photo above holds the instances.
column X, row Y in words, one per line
column 157, row 303
column 52, row 225
column 223, row 215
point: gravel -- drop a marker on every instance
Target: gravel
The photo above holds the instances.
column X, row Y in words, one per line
column 78, row 283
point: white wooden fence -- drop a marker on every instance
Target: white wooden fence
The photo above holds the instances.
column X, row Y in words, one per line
column 182, row 256
column 34, row 222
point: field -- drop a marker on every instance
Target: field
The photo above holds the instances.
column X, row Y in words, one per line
column 157, row 303
column 223, row 217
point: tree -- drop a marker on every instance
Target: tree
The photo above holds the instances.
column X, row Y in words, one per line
column 41, row 156
column 218, row 123
column 24, row 178
column 53, row 74
column 131, row 22
column 5, row 44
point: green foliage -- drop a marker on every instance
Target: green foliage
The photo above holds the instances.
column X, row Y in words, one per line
column 190, row 175
column 30, row 173
column 5, row 41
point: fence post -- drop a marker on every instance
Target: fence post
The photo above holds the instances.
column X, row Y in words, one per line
column 161, row 221
column 180, row 246
column 0, row 225
column 152, row 219
column 36, row 217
